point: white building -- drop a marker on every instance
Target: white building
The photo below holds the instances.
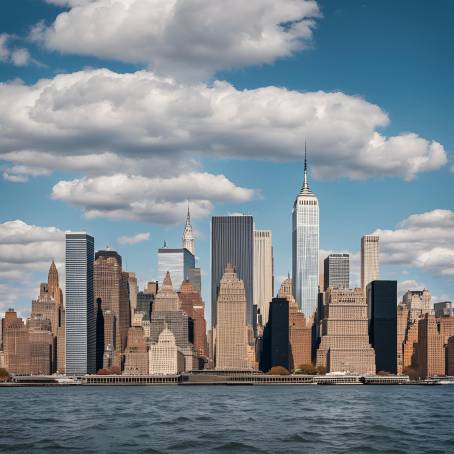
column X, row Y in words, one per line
column 188, row 236
column 263, row 272
column 305, row 248
column 165, row 358
column 370, row 267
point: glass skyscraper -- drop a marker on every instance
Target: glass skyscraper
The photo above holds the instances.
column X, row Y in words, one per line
column 80, row 313
column 336, row 271
column 305, row 248
column 177, row 262
column 232, row 241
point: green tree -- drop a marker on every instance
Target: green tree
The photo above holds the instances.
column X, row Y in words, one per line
column 321, row 370
column 4, row 374
column 412, row 373
column 306, row 369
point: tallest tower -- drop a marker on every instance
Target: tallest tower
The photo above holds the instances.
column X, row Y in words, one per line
column 188, row 236
column 305, row 247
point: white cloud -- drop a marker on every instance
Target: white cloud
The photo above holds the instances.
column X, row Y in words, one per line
column 423, row 240
column 134, row 239
column 160, row 200
column 188, row 39
column 116, row 122
column 18, row 56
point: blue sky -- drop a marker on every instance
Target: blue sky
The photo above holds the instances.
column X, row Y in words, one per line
column 358, row 73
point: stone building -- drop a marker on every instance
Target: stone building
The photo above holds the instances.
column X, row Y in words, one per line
column 16, row 344
column 136, row 355
column 344, row 345
column 231, row 323
column 111, row 286
column 450, row 357
column 417, row 303
column 165, row 358
column 41, row 345
column 167, row 312
column 370, row 264
column 300, row 334
column 193, row 305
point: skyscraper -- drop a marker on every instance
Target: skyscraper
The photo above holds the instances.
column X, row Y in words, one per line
column 188, row 236
column 263, row 271
column 336, row 271
column 133, row 290
column 80, row 311
column 382, row 308
column 231, row 322
column 177, row 262
column 305, row 248
column 232, row 241
column 111, row 286
column 344, row 345
column 370, row 268
column 16, row 344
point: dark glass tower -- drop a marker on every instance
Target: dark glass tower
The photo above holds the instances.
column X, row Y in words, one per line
column 275, row 350
column 382, row 308
column 232, row 241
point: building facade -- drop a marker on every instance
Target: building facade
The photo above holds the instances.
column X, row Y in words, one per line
column 305, row 248
column 80, row 309
column 165, row 358
column 136, row 354
column 177, row 262
column 232, row 241
column 336, row 271
column 344, row 345
column 382, row 313
column 231, row 323
column 263, row 271
column 444, row 309
column 370, row 264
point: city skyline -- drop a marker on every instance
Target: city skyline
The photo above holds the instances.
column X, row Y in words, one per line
column 54, row 199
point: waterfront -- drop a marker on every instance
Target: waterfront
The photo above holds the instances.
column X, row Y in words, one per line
column 164, row 419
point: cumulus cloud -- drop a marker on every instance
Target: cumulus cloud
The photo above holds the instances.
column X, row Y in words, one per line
column 71, row 119
column 188, row 39
column 134, row 239
column 156, row 199
column 424, row 240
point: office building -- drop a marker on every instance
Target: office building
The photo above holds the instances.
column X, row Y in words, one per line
column 275, row 348
column 444, row 309
column 300, row 334
column 177, row 262
column 16, row 344
column 165, row 358
column 305, row 248
column 336, row 269
column 231, row 323
column 80, row 308
column 263, row 272
column 370, row 268
column 41, row 345
column 232, row 241
column 188, row 241
column 195, row 278
column 136, row 354
column 344, row 345
column 145, row 304
column 418, row 303
column 382, row 314
column 133, row 290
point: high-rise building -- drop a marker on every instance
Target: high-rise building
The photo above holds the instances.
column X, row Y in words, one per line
column 136, row 355
column 193, row 305
column 370, row 268
column 344, row 345
column 417, row 303
column 232, row 241
column 305, row 248
column 133, row 290
column 336, row 271
column 80, row 309
column 300, row 334
column 145, row 304
column 111, row 287
column 167, row 312
column 165, row 358
column 275, row 349
column 188, row 236
column 195, row 278
column 177, row 262
column 444, row 309
column 263, row 271
column 16, row 344
column 41, row 345
column 231, row 323
column 431, row 354
column 382, row 310
column 100, row 347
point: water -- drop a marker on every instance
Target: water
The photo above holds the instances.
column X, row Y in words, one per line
column 223, row 419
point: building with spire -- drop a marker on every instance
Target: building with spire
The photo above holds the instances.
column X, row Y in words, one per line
column 305, row 247
column 188, row 236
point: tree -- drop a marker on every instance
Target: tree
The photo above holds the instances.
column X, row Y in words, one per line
column 321, row 370
column 115, row 370
column 103, row 372
column 4, row 374
column 306, row 369
column 412, row 373
column 278, row 370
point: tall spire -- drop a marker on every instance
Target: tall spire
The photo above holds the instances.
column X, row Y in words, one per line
column 305, row 187
column 188, row 237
